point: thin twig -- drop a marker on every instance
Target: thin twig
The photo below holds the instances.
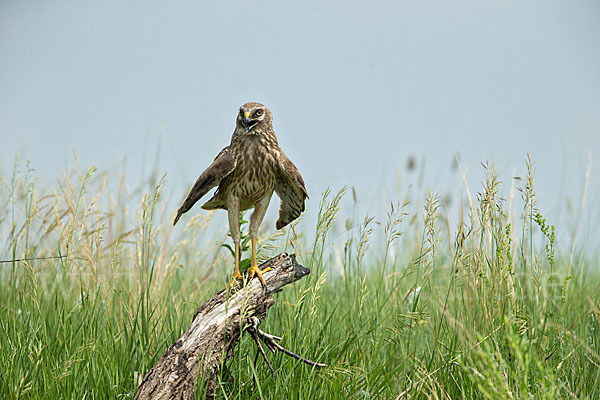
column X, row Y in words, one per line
column 31, row 259
column 254, row 334
column 271, row 342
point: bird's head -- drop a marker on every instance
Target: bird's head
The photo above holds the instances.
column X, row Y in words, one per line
column 252, row 117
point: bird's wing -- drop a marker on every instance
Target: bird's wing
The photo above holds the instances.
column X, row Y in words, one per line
column 222, row 166
column 291, row 190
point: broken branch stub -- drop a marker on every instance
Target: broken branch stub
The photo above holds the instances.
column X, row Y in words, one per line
column 214, row 333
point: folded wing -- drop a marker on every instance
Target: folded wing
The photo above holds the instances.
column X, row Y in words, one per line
column 222, row 166
column 290, row 188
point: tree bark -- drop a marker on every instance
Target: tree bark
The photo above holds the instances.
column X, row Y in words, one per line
column 214, row 333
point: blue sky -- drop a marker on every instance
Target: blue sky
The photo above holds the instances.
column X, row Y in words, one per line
column 355, row 87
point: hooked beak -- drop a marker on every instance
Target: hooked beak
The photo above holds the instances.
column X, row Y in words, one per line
column 247, row 123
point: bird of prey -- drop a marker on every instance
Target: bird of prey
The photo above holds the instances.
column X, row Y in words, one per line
column 246, row 173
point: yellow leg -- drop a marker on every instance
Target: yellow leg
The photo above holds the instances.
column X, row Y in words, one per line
column 254, row 266
column 236, row 271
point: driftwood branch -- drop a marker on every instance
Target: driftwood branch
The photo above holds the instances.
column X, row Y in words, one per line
column 271, row 342
column 216, row 330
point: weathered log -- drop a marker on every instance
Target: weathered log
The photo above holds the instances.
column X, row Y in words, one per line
column 214, row 333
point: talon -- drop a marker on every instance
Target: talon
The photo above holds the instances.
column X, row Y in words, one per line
column 254, row 270
column 236, row 276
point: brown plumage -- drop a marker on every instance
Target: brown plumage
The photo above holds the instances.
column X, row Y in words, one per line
column 247, row 172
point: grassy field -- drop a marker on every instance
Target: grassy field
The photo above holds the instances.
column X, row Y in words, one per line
column 407, row 307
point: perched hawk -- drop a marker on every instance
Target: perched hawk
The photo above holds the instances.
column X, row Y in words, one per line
column 246, row 173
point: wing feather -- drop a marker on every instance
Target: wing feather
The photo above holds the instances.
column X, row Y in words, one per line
column 290, row 188
column 222, row 166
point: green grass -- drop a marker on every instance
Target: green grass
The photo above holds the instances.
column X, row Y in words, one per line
column 407, row 307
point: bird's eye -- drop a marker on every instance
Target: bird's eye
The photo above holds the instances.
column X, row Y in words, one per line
column 258, row 112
